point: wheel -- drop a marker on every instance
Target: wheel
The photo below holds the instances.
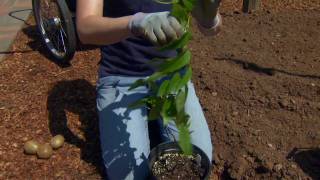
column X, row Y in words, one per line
column 54, row 22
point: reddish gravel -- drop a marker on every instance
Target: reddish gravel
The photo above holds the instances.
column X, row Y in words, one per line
column 258, row 82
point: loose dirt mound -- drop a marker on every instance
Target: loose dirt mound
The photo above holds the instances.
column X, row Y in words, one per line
column 258, row 82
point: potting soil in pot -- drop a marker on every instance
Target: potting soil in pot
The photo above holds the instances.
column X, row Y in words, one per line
column 177, row 166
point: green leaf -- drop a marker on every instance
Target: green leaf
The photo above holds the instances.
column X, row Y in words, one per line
column 156, row 106
column 153, row 101
column 174, row 83
column 179, row 43
column 185, row 139
column 185, row 78
column 180, row 99
column 153, row 87
column 189, row 4
column 180, row 13
column 140, row 82
column 154, row 113
column 139, row 103
column 165, row 111
column 163, row 88
column 155, row 76
column 179, row 62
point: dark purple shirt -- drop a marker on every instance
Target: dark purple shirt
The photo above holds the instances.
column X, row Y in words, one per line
column 129, row 56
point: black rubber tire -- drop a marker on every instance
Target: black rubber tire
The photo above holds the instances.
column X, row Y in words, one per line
column 72, row 4
column 68, row 26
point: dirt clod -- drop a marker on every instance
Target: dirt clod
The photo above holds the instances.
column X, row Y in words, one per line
column 237, row 168
column 284, row 103
column 214, row 94
column 277, row 167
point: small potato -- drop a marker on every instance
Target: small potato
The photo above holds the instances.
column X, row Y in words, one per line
column 44, row 151
column 31, row 147
column 57, row 141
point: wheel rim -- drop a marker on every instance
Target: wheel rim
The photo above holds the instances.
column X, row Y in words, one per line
column 52, row 27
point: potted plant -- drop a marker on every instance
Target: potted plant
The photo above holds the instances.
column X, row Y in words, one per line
column 167, row 102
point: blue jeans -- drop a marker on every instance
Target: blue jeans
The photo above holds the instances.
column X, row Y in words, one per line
column 125, row 134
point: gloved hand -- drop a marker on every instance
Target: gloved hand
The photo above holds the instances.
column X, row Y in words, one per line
column 207, row 14
column 159, row 28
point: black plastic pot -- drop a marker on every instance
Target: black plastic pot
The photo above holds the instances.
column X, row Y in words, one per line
column 173, row 147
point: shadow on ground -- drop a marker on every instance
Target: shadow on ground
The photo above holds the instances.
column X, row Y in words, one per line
column 308, row 160
column 78, row 97
column 263, row 70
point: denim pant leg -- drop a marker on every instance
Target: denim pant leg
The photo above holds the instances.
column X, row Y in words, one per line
column 200, row 135
column 123, row 132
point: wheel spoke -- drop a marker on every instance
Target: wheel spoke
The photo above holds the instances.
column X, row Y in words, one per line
column 53, row 37
column 62, row 39
column 45, row 24
column 58, row 40
column 63, row 31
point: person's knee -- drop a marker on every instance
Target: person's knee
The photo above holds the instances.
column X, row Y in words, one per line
column 201, row 137
column 124, row 166
column 124, row 144
column 206, row 147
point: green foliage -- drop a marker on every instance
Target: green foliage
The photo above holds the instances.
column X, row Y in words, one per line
column 166, row 111
column 140, row 103
column 174, row 83
column 163, row 89
column 169, row 85
column 154, row 112
column 189, row 4
column 176, row 64
column 179, row 43
column 180, row 99
column 185, row 79
column 185, row 139
column 140, row 82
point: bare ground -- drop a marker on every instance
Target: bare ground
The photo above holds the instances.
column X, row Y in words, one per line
column 258, row 82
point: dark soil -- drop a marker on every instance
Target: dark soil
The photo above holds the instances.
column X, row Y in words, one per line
column 258, row 82
column 177, row 166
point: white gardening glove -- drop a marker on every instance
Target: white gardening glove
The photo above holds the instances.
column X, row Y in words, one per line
column 208, row 17
column 159, row 28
